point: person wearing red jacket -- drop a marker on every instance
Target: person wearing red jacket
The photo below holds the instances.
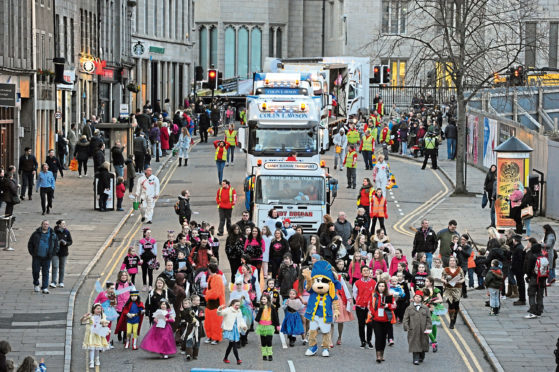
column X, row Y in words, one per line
column 381, row 308
column 362, row 292
column 226, row 198
column 130, row 321
column 378, row 209
column 220, row 157
column 164, row 137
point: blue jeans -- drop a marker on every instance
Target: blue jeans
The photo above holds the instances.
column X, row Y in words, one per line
column 494, row 297
column 231, row 154
column 220, row 165
column 119, row 170
column 471, row 277
column 404, row 148
column 512, row 279
column 527, row 223
column 429, row 259
column 40, row 265
column 481, row 280
column 492, row 213
column 451, row 147
column 58, row 266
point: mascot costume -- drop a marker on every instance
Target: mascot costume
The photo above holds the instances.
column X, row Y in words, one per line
column 322, row 307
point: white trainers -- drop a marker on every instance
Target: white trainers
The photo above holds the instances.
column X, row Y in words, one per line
column 46, row 291
column 53, row 285
column 37, row 288
column 531, row 316
column 61, row 285
column 97, row 361
column 91, row 362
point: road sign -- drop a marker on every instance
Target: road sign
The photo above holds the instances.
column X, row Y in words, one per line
column 58, row 115
column 124, row 110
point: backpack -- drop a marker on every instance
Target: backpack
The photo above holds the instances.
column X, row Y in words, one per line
column 178, row 207
column 542, row 268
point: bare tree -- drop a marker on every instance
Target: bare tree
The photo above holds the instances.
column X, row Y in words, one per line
column 467, row 41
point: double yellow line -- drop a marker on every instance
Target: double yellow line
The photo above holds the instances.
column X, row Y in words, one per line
column 401, row 227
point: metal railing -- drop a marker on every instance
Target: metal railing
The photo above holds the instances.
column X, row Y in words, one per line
column 403, row 96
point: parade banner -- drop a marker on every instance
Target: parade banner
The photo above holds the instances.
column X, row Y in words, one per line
column 509, row 171
column 489, row 142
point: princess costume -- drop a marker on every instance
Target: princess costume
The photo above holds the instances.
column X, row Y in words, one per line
column 160, row 338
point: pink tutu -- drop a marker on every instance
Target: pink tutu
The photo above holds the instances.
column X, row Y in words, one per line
column 160, row 340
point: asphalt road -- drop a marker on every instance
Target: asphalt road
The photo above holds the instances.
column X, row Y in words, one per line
column 458, row 350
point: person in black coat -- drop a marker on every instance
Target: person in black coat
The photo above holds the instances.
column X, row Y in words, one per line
column 536, row 286
column 517, row 268
column 99, row 158
column 42, row 255
column 103, row 184
column 81, row 153
column 425, row 241
column 297, row 245
column 59, row 260
column 185, row 213
column 55, row 165
column 204, row 125
column 488, row 186
column 95, row 142
column 9, row 191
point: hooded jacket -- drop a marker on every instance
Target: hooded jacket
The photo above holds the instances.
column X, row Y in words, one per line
column 494, row 278
column 35, row 241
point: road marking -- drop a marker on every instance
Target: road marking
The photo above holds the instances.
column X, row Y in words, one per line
column 470, row 352
column 457, row 346
column 291, row 366
column 282, row 338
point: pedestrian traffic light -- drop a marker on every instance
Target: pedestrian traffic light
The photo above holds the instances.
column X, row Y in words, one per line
column 517, row 76
column 385, row 74
column 219, row 79
column 212, row 79
column 376, row 75
column 198, row 73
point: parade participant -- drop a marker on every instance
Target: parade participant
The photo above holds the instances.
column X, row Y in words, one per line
column 221, row 148
column 169, row 252
column 160, row 338
column 158, row 293
column 121, row 286
column 445, row 238
column 131, row 263
column 233, row 324
column 364, row 199
column 398, row 257
column 148, row 253
column 350, row 162
column 215, row 298
column 226, row 198
column 267, row 237
column 433, row 300
column 367, row 148
column 272, row 292
column 362, row 292
column 355, row 266
column 430, row 147
column 379, row 209
column 453, row 279
column 292, row 324
column 96, row 332
column 234, row 248
column 381, row 308
column 268, row 323
column 194, row 336
column 384, row 139
column 353, row 136
column 254, row 247
column 240, row 291
column 417, row 322
column 346, row 303
column 231, row 140
column 184, row 211
column 130, row 322
column 381, row 174
column 184, row 320
column 340, row 143
column 147, row 191
column 108, row 299
column 183, row 146
column 201, row 254
column 425, row 241
column 278, row 248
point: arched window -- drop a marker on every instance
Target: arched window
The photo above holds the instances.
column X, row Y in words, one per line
column 242, row 59
column 203, row 47
column 230, row 49
column 256, row 50
column 279, row 38
column 213, row 46
column 271, row 43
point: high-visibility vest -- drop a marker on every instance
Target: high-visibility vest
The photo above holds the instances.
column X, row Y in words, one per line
column 377, row 206
column 230, row 137
column 368, row 143
column 353, row 136
column 230, row 195
column 220, row 153
column 430, row 143
column 349, row 160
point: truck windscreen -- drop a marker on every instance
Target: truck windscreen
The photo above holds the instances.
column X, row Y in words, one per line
column 290, row 190
column 281, row 142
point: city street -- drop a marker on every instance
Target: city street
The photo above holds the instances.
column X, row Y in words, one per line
column 457, row 349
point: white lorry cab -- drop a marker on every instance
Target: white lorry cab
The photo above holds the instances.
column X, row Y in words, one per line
column 300, row 191
column 281, row 119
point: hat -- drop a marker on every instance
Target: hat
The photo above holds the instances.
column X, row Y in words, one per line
column 316, row 256
column 287, row 220
column 517, row 237
column 134, row 292
column 324, row 269
column 239, row 280
column 419, row 293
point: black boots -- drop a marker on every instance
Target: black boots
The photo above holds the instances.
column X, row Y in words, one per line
column 180, row 162
column 452, row 314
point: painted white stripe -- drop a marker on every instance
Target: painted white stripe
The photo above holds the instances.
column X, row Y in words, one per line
column 282, row 338
column 51, row 344
column 401, row 214
column 61, row 352
column 399, row 209
column 291, row 366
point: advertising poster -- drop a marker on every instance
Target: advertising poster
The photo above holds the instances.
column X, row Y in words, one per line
column 472, row 138
column 489, row 142
column 509, row 171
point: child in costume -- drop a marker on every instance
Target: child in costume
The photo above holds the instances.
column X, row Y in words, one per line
column 433, row 299
column 160, row 338
column 239, row 291
column 292, row 323
column 108, row 299
column 273, row 293
column 233, row 324
column 268, row 322
column 184, row 319
column 131, row 263
column 96, row 332
column 346, row 304
column 322, row 307
column 131, row 319
column 194, row 336
column 122, row 282
column 169, row 252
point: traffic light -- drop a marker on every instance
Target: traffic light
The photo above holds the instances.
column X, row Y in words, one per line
column 517, row 76
column 385, row 74
column 212, row 79
column 219, row 79
column 376, row 75
column 198, row 73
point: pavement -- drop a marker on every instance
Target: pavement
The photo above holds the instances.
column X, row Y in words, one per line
column 35, row 323
column 509, row 342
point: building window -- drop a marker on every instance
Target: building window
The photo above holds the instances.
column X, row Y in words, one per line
column 530, row 53
column 203, row 47
column 72, row 42
column 271, row 43
column 146, row 18
column 553, row 43
column 397, row 71
column 213, row 46
column 255, row 50
column 155, row 18
column 242, row 61
column 394, row 13
column 230, row 51
column 279, row 39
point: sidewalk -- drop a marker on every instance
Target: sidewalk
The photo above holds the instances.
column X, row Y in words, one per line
column 510, row 342
column 33, row 323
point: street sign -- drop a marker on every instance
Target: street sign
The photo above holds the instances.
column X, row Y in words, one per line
column 8, row 95
column 58, row 115
column 124, row 111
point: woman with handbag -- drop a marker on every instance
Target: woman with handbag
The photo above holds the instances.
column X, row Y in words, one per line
column 527, row 210
column 515, row 199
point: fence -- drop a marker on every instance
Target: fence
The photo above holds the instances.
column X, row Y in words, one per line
column 403, row 96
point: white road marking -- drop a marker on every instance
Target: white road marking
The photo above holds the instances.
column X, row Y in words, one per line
column 401, row 214
column 283, row 343
column 291, row 366
column 399, row 209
